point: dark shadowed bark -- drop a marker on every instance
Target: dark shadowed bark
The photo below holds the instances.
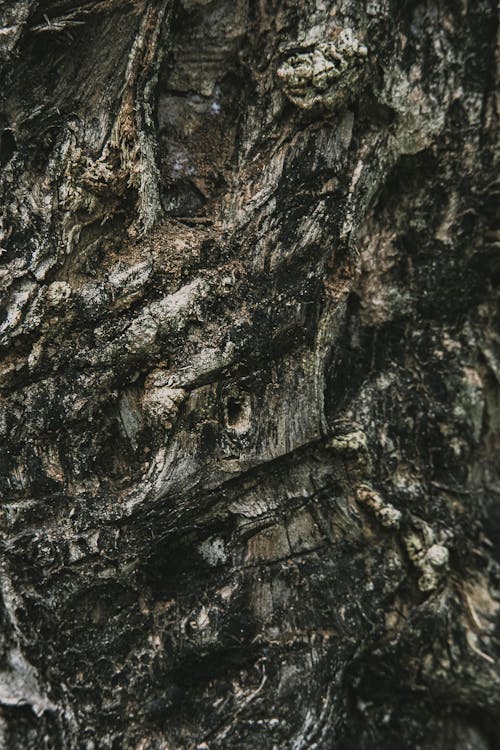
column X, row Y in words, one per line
column 249, row 382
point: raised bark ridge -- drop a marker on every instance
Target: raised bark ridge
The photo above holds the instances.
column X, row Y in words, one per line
column 250, row 375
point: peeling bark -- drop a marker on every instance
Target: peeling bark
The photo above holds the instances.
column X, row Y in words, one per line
column 250, row 375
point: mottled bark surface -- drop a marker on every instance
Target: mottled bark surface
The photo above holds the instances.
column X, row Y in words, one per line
column 250, row 375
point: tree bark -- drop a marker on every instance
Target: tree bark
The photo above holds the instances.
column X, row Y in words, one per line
column 250, row 375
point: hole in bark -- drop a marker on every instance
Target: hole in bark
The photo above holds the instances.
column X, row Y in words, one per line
column 238, row 413
column 183, row 199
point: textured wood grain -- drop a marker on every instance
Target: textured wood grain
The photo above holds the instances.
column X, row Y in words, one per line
column 250, row 375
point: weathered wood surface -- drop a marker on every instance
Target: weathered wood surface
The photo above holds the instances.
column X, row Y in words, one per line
column 250, row 375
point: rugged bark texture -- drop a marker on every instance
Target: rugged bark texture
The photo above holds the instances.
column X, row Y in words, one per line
column 250, row 375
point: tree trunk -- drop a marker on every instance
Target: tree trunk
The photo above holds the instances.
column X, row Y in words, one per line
column 250, row 375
